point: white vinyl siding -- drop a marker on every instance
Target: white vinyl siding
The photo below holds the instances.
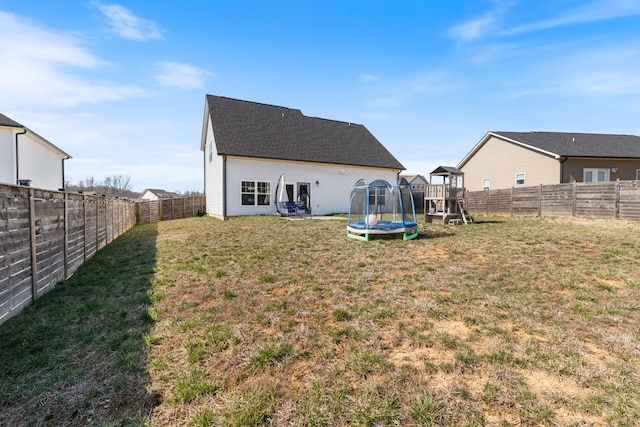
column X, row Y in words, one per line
column 213, row 179
column 329, row 191
column 39, row 164
column 7, row 159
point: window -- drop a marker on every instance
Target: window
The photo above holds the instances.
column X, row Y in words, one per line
column 264, row 192
column 377, row 196
column 248, row 193
column 520, row 179
column 458, row 181
column 486, row 183
column 210, row 151
column 638, row 174
column 256, row 193
column 595, row 175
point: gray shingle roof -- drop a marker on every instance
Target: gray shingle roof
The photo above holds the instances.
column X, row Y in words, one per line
column 250, row 129
column 445, row 170
column 6, row 121
column 579, row 144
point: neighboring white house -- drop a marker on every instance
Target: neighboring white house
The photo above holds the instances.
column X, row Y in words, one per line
column 156, row 194
column 248, row 145
column 26, row 158
column 418, row 183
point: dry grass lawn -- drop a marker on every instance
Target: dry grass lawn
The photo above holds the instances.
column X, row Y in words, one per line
column 261, row 321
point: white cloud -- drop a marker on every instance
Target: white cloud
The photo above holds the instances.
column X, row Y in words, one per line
column 488, row 54
column 429, row 82
column 22, row 38
column 404, row 89
column 46, row 68
column 369, row 78
column 606, row 71
column 474, row 29
column 183, row 76
column 103, row 145
column 595, row 11
column 125, row 24
column 479, row 27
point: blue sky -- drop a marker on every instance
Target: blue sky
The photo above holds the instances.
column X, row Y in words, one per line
column 121, row 86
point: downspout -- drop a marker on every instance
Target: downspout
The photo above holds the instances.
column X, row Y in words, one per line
column 224, row 186
column 63, row 188
column 562, row 160
column 24, row 130
column 204, row 168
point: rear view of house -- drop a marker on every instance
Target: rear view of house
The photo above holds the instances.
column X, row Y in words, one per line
column 247, row 146
column 518, row 159
column 26, row 158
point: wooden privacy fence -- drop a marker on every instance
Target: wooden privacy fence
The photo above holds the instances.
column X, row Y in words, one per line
column 149, row 211
column 46, row 235
column 614, row 199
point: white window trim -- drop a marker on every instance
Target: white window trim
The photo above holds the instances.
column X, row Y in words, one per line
column 486, row 181
column 523, row 178
column 250, row 184
column 595, row 172
column 257, row 195
column 261, row 194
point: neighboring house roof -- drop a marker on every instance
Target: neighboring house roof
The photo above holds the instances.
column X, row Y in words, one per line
column 565, row 144
column 411, row 178
column 251, row 129
column 161, row 194
column 6, row 121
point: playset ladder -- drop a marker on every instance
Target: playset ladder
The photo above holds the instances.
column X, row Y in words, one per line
column 462, row 207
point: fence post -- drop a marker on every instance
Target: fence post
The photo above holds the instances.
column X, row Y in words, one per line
column 66, row 234
column 84, row 228
column 616, row 210
column 97, row 223
column 32, row 238
column 575, row 197
column 540, row 200
column 486, row 201
column 511, row 202
column 106, row 219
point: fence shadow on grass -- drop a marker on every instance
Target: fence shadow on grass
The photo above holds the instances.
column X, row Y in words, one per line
column 489, row 221
column 78, row 355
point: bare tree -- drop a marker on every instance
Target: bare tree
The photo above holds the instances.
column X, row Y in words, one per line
column 115, row 185
column 121, row 184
